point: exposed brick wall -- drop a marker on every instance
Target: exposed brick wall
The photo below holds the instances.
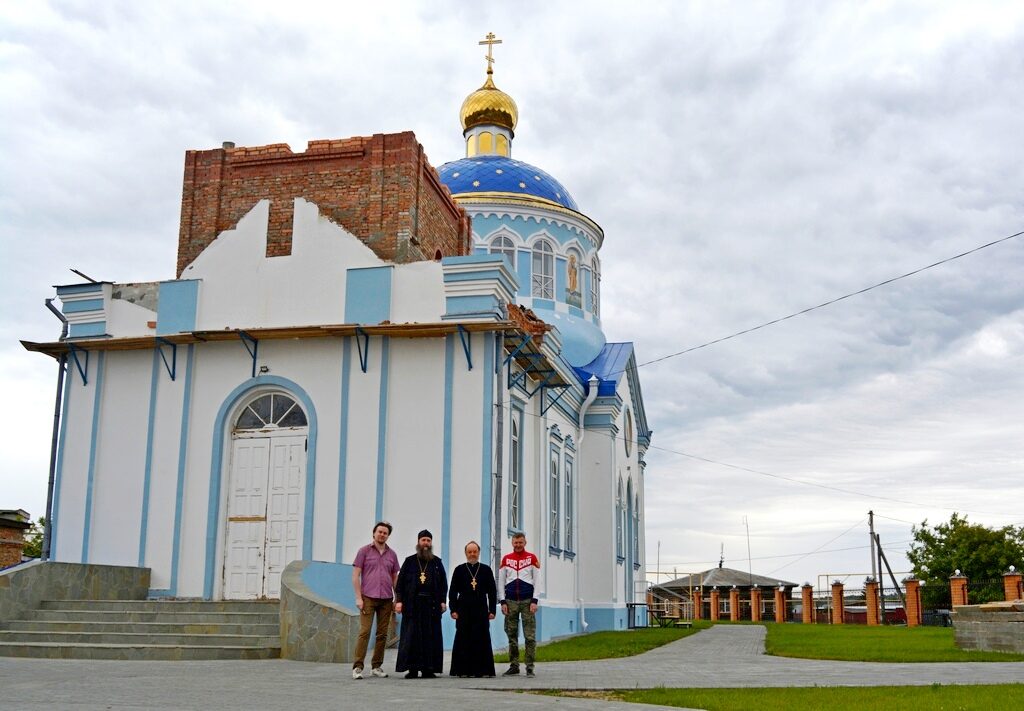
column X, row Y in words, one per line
column 380, row 188
column 12, row 541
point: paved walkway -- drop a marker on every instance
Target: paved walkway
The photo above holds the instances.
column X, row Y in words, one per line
column 723, row 656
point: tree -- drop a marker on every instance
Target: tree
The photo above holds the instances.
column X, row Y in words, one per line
column 982, row 554
column 34, row 539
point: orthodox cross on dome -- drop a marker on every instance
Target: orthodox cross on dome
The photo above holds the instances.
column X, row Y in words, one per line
column 490, row 41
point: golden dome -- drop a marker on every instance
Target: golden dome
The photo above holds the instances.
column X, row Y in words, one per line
column 489, row 105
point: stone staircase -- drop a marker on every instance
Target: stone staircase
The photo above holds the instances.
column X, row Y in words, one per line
column 145, row 629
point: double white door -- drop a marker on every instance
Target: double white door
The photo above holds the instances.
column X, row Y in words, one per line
column 265, row 510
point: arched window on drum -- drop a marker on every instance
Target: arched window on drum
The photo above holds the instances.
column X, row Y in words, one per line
column 543, row 270
column 503, row 244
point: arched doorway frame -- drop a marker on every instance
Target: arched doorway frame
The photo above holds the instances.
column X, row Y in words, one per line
column 216, row 505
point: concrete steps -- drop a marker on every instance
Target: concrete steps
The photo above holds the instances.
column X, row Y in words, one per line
column 145, row 629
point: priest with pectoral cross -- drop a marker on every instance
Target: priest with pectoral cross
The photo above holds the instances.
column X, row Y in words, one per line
column 473, row 599
column 420, row 595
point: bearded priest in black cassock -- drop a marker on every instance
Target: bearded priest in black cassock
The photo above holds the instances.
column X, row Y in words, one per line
column 472, row 600
column 420, row 599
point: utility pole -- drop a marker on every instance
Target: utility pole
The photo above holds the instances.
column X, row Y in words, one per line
column 657, row 571
column 874, row 554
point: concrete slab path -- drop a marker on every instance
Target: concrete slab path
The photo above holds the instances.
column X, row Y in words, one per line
column 723, row 656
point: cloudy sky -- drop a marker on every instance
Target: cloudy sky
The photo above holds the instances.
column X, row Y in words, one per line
column 745, row 160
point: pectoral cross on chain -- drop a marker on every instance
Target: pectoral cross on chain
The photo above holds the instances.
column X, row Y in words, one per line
column 423, row 578
column 472, row 583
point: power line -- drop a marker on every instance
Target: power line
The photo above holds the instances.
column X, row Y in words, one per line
column 829, row 302
column 818, row 549
column 781, row 477
column 783, row 555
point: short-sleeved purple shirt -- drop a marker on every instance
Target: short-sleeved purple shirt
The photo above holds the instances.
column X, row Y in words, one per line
column 378, row 571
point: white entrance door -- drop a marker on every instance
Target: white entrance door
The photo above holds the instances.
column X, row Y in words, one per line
column 265, row 507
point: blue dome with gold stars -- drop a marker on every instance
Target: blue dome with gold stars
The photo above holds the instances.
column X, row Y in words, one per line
column 500, row 174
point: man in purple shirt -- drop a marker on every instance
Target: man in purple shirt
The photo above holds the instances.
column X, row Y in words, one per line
column 374, row 572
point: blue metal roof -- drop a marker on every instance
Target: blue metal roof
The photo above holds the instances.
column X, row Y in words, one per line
column 485, row 174
column 609, row 366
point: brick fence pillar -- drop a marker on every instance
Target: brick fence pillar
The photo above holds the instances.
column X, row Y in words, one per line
column 1012, row 587
column 914, row 611
column 734, row 604
column 715, row 604
column 871, row 601
column 780, row 604
column 755, row 604
column 807, row 603
column 837, row 603
column 698, row 604
column 958, row 589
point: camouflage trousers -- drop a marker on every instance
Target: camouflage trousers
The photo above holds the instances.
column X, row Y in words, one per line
column 517, row 609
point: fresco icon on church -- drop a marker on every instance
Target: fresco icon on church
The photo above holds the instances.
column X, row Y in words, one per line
column 573, row 297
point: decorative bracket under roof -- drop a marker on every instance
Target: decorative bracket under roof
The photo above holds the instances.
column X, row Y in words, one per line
column 172, row 367
column 254, row 349
column 82, row 371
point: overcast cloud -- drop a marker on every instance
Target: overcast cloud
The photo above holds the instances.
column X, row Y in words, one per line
column 745, row 160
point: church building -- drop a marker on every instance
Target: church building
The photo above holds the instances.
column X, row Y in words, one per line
column 352, row 335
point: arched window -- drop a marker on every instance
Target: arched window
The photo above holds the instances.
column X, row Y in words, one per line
column 553, row 495
column 543, row 270
column 567, row 474
column 503, row 244
column 514, row 475
column 595, row 286
column 271, row 411
column 619, row 513
column 636, row 530
column 628, row 433
column 502, row 145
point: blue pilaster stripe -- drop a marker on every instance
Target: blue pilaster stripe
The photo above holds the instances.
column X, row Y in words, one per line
column 346, row 369
column 382, row 423
column 97, row 397
column 59, row 468
column 487, row 456
column 221, row 429
column 179, row 491
column 148, row 469
column 446, row 454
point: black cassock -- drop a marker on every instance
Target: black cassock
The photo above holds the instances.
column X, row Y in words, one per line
column 471, row 654
column 419, row 645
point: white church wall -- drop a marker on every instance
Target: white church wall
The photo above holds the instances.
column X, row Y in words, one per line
column 361, row 454
column 127, row 319
column 305, row 287
column 72, row 475
column 417, row 293
column 120, row 460
column 597, row 522
column 468, row 508
column 163, row 477
column 414, row 439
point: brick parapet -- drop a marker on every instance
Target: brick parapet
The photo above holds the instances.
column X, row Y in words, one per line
column 12, row 544
column 958, row 590
column 755, row 604
column 807, row 604
column 837, row 603
column 1012, row 586
column 871, row 602
column 380, row 188
column 915, row 614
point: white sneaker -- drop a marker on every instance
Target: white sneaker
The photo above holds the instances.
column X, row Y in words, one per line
column 378, row 672
column 357, row 673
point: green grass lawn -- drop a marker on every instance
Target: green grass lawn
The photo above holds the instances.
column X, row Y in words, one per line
column 608, row 645
column 987, row 697
column 860, row 643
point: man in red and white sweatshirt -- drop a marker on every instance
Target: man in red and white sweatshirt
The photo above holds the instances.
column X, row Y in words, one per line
column 519, row 585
